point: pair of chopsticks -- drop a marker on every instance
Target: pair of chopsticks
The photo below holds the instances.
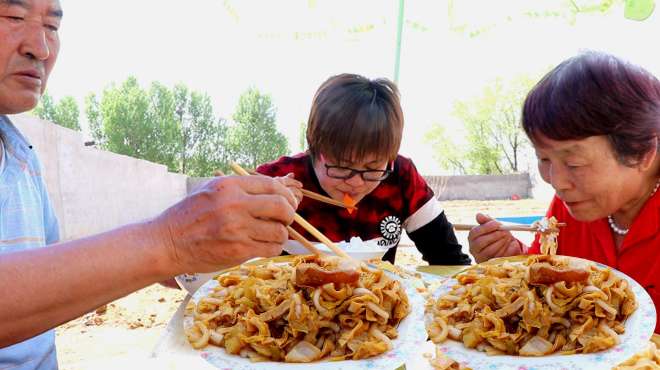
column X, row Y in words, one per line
column 315, row 196
column 306, row 225
column 466, row 227
column 323, row 198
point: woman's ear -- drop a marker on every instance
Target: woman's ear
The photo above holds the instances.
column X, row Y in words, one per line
column 649, row 157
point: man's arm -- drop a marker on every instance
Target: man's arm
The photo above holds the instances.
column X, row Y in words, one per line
column 49, row 286
column 230, row 220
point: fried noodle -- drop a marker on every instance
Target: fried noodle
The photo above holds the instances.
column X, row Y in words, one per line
column 545, row 305
column 265, row 314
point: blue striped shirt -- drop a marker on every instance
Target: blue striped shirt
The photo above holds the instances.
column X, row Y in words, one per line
column 27, row 221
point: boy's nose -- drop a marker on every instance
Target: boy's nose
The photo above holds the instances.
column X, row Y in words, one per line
column 355, row 180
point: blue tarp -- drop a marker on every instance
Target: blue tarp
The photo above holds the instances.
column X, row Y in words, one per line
column 525, row 220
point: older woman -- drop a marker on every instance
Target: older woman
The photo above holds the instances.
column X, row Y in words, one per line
column 594, row 122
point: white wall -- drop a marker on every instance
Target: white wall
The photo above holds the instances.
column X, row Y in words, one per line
column 93, row 190
column 480, row 187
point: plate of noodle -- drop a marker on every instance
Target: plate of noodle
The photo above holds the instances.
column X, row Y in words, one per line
column 279, row 315
column 540, row 312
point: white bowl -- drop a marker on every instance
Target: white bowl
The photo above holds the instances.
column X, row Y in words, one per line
column 356, row 248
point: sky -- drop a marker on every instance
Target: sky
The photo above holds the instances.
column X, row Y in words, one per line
column 288, row 48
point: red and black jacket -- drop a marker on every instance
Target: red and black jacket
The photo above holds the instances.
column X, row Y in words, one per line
column 402, row 201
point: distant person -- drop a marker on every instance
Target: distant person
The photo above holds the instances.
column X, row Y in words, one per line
column 594, row 122
column 228, row 221
column 354, row 132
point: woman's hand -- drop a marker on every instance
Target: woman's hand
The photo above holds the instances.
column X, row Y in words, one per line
column 488, row 241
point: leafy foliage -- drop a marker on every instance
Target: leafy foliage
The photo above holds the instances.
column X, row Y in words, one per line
column 178, row 128
column 255, row 139
column 302, row 136
column 204, row 146
column 467, row 16
column 446, row 152
column 64, row 113
column 136, row 122
column 95, row 120
column 495, row 140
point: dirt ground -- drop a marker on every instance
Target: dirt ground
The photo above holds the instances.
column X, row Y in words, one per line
column 132, row 325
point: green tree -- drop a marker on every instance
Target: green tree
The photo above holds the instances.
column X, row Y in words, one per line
column 95, row 120
column 203, row 137
column 68, row 113
column 212, row 151
column 446, row 151
column 494, row 137
column 303, row 136
column 254, row 139
column 175, row 127
column 46, row 108
column 165, row 138
column 139, row 123
column 64, row 113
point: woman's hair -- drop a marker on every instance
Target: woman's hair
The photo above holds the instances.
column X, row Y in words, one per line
column 597, row 94
column 353, row 116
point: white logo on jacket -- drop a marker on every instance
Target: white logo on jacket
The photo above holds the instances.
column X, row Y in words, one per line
column 390, row 228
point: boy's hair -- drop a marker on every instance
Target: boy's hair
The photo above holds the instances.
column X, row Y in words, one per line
column 353, row 116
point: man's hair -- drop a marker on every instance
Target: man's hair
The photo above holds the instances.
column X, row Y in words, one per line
column 596, row 94
column 353, row 116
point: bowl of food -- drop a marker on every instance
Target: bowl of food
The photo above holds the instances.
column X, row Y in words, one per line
column 357, row 248
column 309, row 312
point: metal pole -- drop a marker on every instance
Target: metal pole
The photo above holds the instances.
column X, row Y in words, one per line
column 399, row 30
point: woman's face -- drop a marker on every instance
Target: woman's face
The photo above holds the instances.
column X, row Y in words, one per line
column 356, row 187
column 587, row 176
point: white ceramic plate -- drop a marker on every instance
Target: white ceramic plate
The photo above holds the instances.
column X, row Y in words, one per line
column 411, row 330
column 639, row 329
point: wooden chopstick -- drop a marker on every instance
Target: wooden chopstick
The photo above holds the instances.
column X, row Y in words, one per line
column 322, row 238
column 323, row 198
column 466, row 227
column 306, row 225
column 306, row 243
column 315, row 196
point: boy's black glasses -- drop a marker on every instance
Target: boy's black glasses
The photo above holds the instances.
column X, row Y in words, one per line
column 345, row 173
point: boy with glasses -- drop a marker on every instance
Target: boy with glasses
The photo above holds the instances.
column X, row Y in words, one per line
column 354, row 133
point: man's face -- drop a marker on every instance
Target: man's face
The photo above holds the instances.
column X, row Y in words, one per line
column 29, row 43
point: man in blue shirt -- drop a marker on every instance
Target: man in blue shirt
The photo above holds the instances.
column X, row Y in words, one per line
column 228, row 221
column 27, row 221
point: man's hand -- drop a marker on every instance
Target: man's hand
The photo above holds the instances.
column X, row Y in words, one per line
column 293, row 185
column 488, row 241
column 226, row 222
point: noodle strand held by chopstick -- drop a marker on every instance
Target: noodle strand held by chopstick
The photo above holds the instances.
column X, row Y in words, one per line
column 549, row 231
